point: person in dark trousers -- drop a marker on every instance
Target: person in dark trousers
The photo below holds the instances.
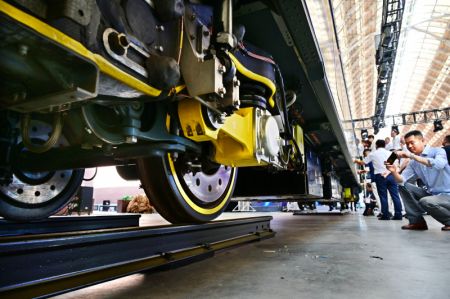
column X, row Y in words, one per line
column 369, row 200
column 430, row 164
column 384, row 181
column 446, row 146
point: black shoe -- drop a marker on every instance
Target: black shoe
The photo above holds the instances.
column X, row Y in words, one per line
column 384, row 218
column 397, row 218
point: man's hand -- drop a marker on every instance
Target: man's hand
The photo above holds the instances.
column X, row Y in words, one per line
column 392, row 168
column 359, row 162
column 394, row 171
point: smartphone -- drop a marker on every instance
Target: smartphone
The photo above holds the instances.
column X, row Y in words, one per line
column 392, row 158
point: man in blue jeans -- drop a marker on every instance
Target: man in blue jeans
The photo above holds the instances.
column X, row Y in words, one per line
column 429, row 164
column 384, row 183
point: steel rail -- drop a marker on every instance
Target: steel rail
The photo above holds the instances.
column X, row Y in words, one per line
column 49, row 264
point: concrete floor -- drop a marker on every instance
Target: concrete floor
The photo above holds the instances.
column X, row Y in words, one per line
column 348, row 256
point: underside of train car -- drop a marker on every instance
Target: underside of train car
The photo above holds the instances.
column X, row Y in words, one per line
column 199, row 100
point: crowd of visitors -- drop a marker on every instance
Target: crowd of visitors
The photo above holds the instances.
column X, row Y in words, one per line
column 419, row 177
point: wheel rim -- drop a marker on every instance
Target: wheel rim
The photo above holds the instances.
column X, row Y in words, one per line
column 36, row 188
column 208, row 188
column 37, row 194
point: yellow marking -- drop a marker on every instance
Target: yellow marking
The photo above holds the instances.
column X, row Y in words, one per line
column 60, row 38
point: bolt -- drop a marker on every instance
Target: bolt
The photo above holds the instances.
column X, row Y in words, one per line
column 130, row 139
column 236, row 82
column 221, row 69
column 136, row 106
column 23, row 50
column 160, row 27
column 189, row 131
column 174, row 156
column 159, row 48
column 206, row 33
column 221, row 91
column 221, row 119
column 89, row 131
column 236, row 103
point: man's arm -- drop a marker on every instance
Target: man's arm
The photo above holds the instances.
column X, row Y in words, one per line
column 438, row 162
column 359, row 162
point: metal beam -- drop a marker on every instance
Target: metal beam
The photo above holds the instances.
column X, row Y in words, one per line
column 392, row 16
column 411, row 118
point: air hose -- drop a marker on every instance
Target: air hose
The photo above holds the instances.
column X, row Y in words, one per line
column 51, row 141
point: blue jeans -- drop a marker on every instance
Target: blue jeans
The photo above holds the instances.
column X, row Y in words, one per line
column 383, row 186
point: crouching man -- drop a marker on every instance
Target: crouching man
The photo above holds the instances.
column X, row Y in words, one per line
column 431, row 166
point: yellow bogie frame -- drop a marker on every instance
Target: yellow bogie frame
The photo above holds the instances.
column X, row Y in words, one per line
column 234, row 141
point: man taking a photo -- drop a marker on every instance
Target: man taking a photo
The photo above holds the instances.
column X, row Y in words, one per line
column 431, row 166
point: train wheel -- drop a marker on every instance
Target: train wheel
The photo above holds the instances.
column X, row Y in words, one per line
column 182, row 196
column 37, row 195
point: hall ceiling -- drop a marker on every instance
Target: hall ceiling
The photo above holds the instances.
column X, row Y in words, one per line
column 420, row 79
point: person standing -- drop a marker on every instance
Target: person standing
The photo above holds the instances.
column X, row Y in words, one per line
column 371, row 141
column 388, row 143
column 431, row 166
column 396, row 144
column 384, row 184
column 359, row 147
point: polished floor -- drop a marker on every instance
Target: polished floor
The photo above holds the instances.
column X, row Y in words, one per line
column 319, row 256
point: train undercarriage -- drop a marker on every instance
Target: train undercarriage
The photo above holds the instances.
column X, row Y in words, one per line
column 182, row 95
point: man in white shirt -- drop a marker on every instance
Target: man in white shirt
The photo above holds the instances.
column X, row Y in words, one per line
column 378, row 159
column 371, row 139
column 388, row 143
column 396, row 146
column 359, row 147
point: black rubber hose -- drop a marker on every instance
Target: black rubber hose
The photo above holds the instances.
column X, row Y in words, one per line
column 287, row 128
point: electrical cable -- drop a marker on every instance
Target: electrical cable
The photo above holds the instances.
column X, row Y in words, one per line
column 93, row 176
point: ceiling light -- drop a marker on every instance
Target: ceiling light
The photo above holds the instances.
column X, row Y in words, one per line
column 364, row 134
column 438, row 125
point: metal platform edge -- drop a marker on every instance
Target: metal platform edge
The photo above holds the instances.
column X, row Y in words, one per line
column 303, row 213
column 40, row 266
column 57, row 224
